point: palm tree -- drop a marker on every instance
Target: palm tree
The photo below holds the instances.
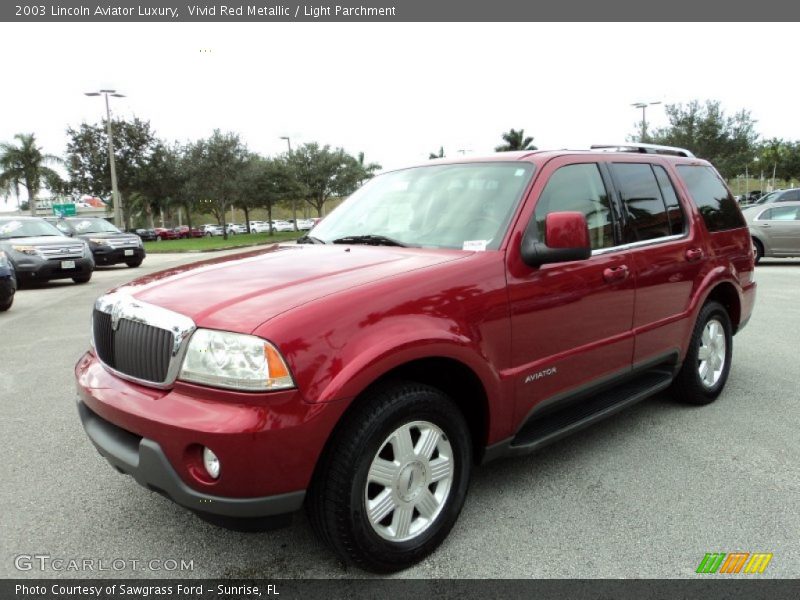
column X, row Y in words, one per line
column 515, row 140
column 25, row 165
column 368, row 170
column 433, row 155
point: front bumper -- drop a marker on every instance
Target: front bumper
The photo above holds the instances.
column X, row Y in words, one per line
column 46, row 269
column 268, row 444
column 103, row 255
column 146, row 462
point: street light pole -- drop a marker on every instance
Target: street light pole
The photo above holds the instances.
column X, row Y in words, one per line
column 288, row 142
column 115, row 199
column 643, row 106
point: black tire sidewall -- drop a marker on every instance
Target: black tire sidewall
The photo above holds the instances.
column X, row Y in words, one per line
column 712, row 310
column 421, row 404
column 759, row 247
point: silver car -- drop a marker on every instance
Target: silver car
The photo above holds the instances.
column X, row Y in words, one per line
column 775, row 229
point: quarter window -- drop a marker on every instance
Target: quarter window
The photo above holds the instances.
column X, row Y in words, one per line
column 677, row 221
column 715, row 203
column 579, row 188
column 641, row 195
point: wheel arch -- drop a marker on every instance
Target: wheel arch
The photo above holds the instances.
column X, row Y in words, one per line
column 728, row 296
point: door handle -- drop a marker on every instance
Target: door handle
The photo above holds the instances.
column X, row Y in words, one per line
column 612, row 274
column 765, row 225
column 693, row 254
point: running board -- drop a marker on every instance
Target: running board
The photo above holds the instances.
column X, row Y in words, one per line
column 542, row 430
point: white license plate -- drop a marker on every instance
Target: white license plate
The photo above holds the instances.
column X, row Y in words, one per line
column 67, row 264
column 128, row 252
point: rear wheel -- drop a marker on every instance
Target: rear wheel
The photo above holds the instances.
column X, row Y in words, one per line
column 708, row 360
column 758, row 249
column 393, row 481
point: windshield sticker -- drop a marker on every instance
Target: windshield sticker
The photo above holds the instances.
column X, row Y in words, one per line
column 83, row 225
column 10, row 226
column 475, row 245
column 519, row 172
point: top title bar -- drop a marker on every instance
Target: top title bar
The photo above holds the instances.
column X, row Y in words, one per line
column 402, row 11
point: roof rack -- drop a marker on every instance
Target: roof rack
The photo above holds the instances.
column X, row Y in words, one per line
column 644, row 149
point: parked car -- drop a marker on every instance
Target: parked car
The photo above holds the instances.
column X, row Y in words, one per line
column 259, row 227
column 305, row 224
column 38, row 251
column 234, row 228
column 8, row 282
column 109, row 245
column 620, row 274
column 790, row 195
column 146, row 235
column 184, row 232
column 162, row 233
column 282, row 226
column 209, row 229
column 775, row 229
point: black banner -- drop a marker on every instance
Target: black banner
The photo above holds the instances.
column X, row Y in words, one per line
column 713, row 588
column 398, row 11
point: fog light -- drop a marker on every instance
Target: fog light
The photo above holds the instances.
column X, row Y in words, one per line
column 211, row 463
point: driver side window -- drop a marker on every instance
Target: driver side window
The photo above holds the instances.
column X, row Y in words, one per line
column 578, row 188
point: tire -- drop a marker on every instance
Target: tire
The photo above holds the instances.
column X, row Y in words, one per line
column 712, row 327
column 82, row 278
column 6, row 304
column 134, row 263
column 372, row 438
column 759, row 250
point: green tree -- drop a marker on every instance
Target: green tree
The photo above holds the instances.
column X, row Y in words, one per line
column 213, row 168
column 87, row 157
column 368, row 170
column 322, row 173
column 515, row 140
column 434, row 155
column 161, row 183
column 24, row 164
column 727, row 141
column 265, row 182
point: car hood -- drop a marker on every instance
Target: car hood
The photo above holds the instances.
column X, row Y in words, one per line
column 240, row 292
column 104, row 236
column 49, row 240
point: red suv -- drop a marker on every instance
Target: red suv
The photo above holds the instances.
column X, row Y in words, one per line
column 444, row 315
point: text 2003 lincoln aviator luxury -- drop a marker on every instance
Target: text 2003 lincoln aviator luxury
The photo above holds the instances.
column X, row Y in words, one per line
column 444, row 315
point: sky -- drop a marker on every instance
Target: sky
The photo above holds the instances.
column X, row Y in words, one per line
column 396, row 91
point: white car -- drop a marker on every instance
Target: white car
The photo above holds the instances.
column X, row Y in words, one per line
column 234, row 228
column 210, row 229
column 305, row 224
column 282, row 226
column 259, row 227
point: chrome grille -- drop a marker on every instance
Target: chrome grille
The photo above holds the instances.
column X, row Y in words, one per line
column 126, row 242
column 68, row 250
column 138, row 341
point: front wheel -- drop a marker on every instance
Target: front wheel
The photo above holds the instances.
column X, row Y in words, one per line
column 6, row 304
column 393, row 481
column 82, row 278
column 708, row 360
column 134, row 263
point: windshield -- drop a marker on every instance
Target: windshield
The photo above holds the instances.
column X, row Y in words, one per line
column 92, row 226
column 768, row 198
column 465, row 206
column 20, row 228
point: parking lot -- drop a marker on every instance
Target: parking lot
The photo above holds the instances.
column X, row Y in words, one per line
column 645, row 494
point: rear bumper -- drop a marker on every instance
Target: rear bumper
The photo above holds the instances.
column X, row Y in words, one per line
column 45, row 270
column 146, row 462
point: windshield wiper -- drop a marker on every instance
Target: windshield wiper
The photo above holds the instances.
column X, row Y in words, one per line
column 309, row 239
column 371, row 240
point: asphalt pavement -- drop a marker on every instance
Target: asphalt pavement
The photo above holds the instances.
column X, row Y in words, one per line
column 644, row 494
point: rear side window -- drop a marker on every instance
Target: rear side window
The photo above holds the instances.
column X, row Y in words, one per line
column 713, row 200
column 780, row 213
column 580, row 188
column 677, row 221
column 644, row 205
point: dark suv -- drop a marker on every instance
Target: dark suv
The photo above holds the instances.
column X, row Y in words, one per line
column 443, row 315
column 109, row 245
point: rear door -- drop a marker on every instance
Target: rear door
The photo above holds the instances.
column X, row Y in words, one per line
column 667, row 253
column 781, row 226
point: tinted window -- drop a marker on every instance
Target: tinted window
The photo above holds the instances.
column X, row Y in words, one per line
column 578, row 188
column 641, row 196
column 790, row 196
column 677, row 221
column 713, row 200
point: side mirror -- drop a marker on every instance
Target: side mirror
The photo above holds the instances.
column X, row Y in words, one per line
column 566, row 238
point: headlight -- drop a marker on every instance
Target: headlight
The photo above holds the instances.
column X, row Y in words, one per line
column 235, row 361
column 26, row 250
column 99, row 241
